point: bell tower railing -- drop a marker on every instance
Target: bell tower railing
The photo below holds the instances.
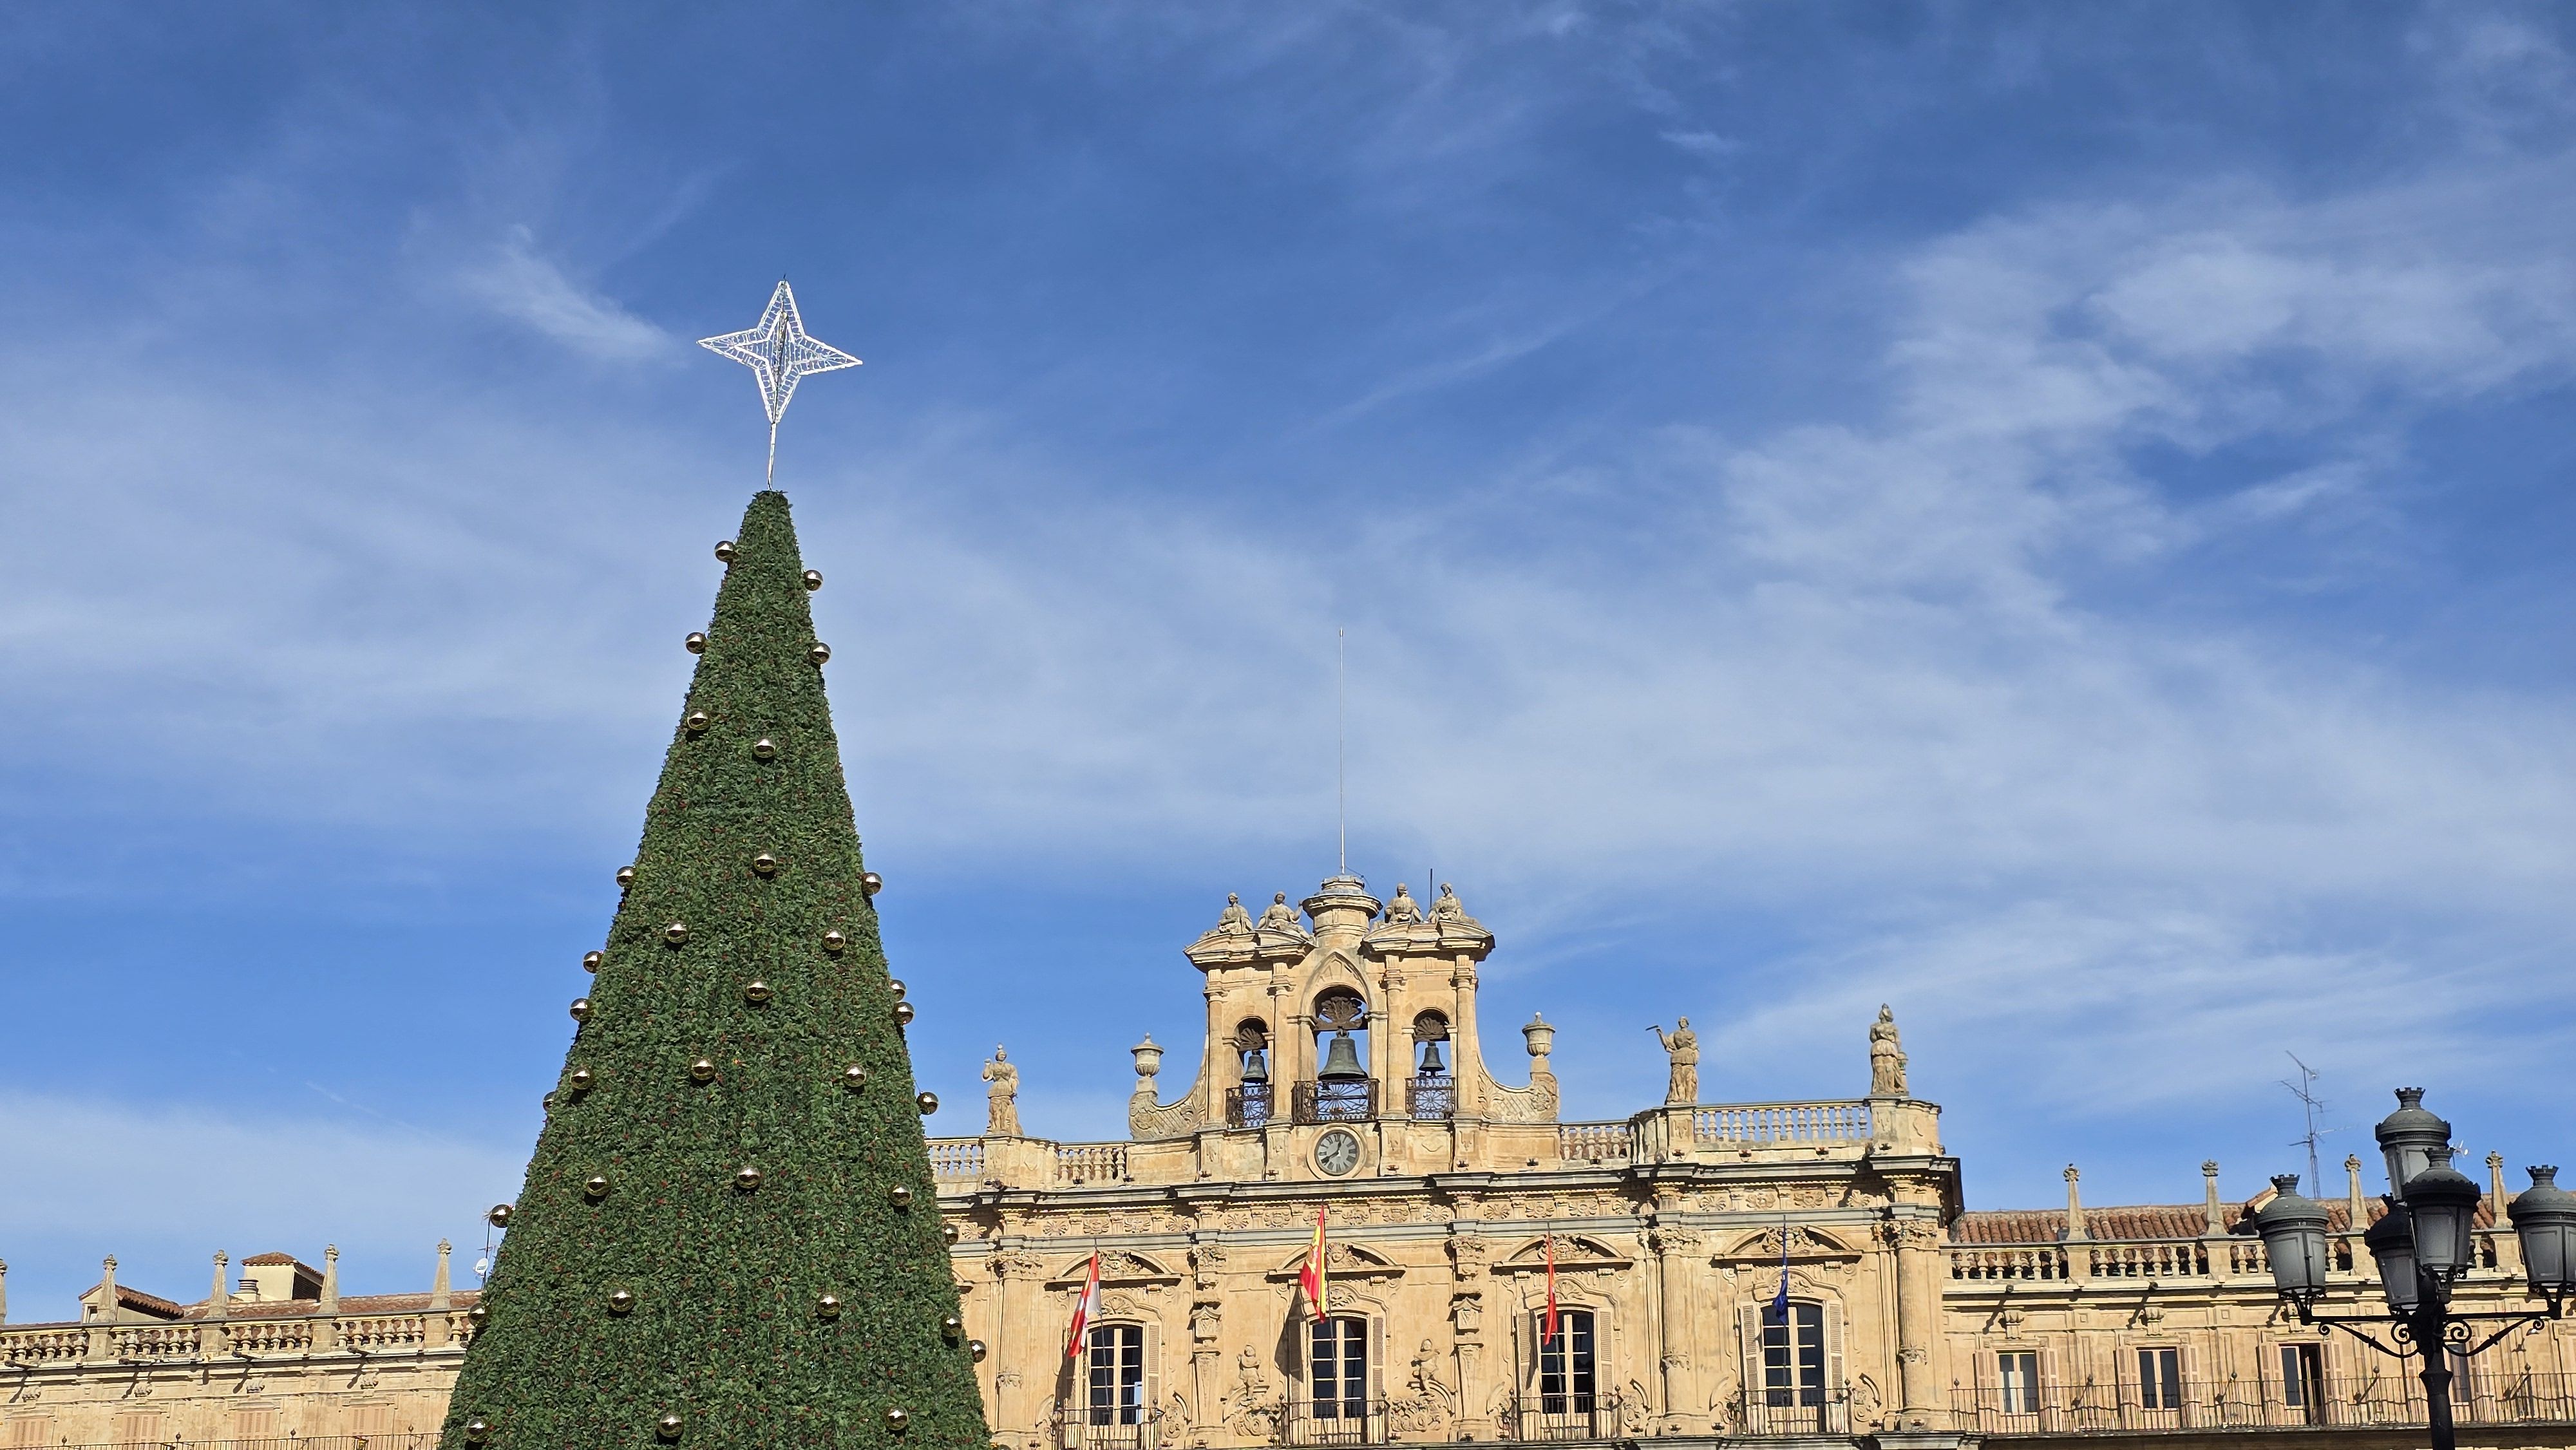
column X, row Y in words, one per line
column 1334, row 1100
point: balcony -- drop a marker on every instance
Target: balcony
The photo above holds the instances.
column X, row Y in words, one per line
column 1248, row 1106
column 1345, row 1100
column 2386, row 1399
column 1333, row 1422
column 1431, row 1099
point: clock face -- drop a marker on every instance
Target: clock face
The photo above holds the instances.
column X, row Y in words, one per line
column 1337, row 1152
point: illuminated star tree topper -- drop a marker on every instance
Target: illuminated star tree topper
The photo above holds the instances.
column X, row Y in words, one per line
column 779, row 352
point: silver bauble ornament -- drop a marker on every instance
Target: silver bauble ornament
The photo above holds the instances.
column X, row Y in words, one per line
column 696, row 643
column 755, row 991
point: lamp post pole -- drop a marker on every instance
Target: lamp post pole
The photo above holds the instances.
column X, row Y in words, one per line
column 2421, row 1246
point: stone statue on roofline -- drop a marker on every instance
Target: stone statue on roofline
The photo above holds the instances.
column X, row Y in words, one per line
column 1681, row 1045
column 1002, row 1097
column 1403, row 910
column 1234, row 920
column 1886, row 1057
column 1280, row 916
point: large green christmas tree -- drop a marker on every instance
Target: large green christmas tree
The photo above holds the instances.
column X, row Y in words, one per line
column 728, row 1237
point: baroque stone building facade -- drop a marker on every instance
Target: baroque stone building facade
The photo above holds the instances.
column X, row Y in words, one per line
column 1763, row 1271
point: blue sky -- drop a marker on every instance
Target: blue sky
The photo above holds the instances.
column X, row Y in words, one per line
column 2056, row 518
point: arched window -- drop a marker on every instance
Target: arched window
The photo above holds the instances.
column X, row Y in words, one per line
column 1114, row 1379
column 1567, row 1371
column 1337, row 1370
column 1432, row 1093
column 1342, row 1091
column 1247, row 1104
column 1793, row 1356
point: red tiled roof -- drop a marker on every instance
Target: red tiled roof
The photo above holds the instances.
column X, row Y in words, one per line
column 152, row 1304
column 301, row 1267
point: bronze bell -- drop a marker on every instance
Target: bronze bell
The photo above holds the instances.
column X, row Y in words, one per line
column 1256, row 1067
column 1432, row 1066
column 1341, row 1061
column 813, row 579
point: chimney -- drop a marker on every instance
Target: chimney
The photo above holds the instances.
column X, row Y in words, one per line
column 2217, row 1212
column 438, row 1296
column 219, row 1301
column 2074, row 1207
column 330, row 1278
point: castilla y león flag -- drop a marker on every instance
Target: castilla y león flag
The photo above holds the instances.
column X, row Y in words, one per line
column 1311, row 1277
column 1082, row 1310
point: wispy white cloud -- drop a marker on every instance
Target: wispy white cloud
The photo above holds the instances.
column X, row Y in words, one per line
column 517, row 282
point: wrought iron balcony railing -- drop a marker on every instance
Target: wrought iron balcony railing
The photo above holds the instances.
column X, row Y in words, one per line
column 1431, row 1099
column 2330, row 1401
column 1341, row 1101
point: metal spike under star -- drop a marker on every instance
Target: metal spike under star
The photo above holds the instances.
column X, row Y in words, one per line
column 779, row 352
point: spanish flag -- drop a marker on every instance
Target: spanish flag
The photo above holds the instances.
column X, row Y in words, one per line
column 1083, row 1308
column 1311, row 1277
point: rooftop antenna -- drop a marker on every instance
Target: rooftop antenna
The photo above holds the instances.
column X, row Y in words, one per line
column 2305, row 1091
column 1341, row 712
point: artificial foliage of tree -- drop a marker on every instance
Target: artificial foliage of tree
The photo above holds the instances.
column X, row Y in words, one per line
column 637, row 1185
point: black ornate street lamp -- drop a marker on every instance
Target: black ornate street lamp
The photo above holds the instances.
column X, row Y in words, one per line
column 2421, row 1246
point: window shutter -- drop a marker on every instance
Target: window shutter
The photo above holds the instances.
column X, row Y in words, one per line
column 2051, row 1384
column 1377, row 1365
column 1837, row 1388
column 1150, row 1432
column 1748, row 1330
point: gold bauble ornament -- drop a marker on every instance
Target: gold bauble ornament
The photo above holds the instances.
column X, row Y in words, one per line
column 620, row 1302
column 899, row 1196
column 952, row 1326
column 625, row 876
column 477, row 1430
column 746, row 1179
column 764, row 749
column 580, row 1009
column 927, row 1102
column 676, row 933
column 499, row 1217
column 698, row 720
column 702, row 1070
column 695, row 644
column 765, row 864
column 829, row 1306
column 833, row 941
column 948, row 1233
column 725, row 550
column 579, row 1081
column 668, row 1427
column 896, row 986
column 813, row 580
column 820, row 653
column 755, row 991
column 903, row 1014
column 871, row 883
column 590, row 961
column 476, row 1315
column 975, row 1347
column 854, row 1077
column 898, row 1419
column 596, row 1185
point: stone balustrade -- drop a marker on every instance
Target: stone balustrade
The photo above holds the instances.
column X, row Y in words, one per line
column 1764, row 1124
column 2233, row 1256
column 185, row 1340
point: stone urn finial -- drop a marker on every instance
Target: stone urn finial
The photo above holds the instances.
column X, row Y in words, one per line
column 1540, row 1037
column 1149, row 1058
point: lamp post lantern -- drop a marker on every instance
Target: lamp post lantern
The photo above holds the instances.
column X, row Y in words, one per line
column 2421, row 1246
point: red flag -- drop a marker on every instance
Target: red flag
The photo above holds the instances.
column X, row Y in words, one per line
column 1082, row 1309
column 1311, row 1277
column 1547, row 1335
